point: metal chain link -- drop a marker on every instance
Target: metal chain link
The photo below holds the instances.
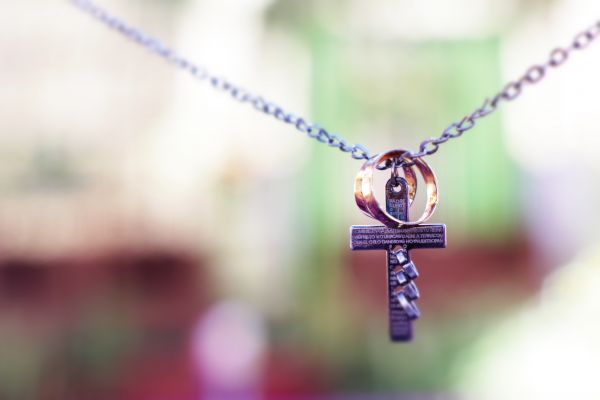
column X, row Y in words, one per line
column 428, row 147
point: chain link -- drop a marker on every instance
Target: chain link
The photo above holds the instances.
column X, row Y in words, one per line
column 428, row 147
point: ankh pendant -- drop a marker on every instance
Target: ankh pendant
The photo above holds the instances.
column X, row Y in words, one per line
column 398, row 235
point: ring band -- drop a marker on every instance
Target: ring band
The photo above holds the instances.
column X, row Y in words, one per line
column 365, row 197
column 361, row 200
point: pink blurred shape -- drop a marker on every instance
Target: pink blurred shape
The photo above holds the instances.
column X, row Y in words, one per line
column 228, row 348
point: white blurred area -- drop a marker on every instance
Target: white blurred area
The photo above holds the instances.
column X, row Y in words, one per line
column 206, row 141
column 122, row 150
column 430, row 19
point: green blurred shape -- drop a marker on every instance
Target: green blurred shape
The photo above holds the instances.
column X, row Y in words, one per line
column 389, row 93
column 21, row 361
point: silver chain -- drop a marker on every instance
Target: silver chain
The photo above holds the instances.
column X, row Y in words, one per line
column 510, row 92
column 359, row 152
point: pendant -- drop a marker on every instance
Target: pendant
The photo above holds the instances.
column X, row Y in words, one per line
column 398, row 235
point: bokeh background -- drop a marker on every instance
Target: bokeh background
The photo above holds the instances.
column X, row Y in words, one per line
column 160, row 241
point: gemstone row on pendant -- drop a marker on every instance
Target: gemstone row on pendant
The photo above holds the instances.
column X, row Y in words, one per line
column 407, row 292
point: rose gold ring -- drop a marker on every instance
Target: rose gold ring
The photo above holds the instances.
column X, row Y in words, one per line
column 365, row 197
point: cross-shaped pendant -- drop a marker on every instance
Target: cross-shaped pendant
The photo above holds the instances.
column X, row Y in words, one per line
column 402, row 291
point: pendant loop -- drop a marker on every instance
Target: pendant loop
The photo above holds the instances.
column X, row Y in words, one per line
column 362, row 200
column 365, row 196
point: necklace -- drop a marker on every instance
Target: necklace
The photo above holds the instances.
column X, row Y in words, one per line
column 398, row 234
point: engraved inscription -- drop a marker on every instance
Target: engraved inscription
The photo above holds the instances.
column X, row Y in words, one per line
column 381, row 237
column 398, row 208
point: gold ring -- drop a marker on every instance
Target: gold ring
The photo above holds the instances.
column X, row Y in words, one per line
column 365, row 197
column 362, row 201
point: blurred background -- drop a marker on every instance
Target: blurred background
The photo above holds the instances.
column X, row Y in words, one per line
column 161, row 241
